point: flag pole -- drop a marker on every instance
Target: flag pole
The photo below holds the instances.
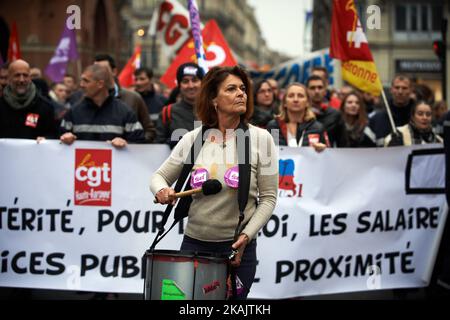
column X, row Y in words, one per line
column 79, row 69
column 389, row 112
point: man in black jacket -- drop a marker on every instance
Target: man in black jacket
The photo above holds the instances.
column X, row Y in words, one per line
column 100, row 116
column 130, row 98
column 145, row 87
column 3, row 77
column 330, row 118
column 177, row 119
column 24, row 113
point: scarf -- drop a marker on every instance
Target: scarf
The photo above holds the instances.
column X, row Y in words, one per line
column 18, row 102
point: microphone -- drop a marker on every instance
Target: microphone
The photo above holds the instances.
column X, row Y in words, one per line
column 209, row 187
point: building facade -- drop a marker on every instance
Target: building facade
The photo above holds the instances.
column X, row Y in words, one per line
column 116, row 26
column 40, row 24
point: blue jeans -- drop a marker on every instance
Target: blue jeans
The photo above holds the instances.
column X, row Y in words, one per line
column 247, row 269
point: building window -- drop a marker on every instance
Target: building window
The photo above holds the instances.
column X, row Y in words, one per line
column 417, row 21
column 436, row 17
column 400, row 18
column 424, row 18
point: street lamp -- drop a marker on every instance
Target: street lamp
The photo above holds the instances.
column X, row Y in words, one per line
column 141, row 33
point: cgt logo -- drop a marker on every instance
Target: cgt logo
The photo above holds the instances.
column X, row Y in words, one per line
column 93, row 177
column 286, row 185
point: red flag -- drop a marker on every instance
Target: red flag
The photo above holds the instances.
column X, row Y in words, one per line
column 14, row 44
column 348, row 40
column 216, row 48
column 349, row 44
column 126, row 76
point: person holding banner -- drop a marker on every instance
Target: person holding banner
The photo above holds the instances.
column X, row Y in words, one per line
column 296, row 121
column 128, row 97
column 214, row 224
column 356, row 123
column 400, row 105
column 330, row 118
column 24, row 113
column 100, row 116
column 418, row 130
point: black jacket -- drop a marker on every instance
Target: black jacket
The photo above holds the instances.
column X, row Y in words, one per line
column 361, row 138
column 308, row 130
column 334, row 124
column 154, row 101
column 36, row 120
column 181, row 116
column 261, row 117
column 111, row 120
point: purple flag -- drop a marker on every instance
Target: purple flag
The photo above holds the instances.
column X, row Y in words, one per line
column 197, row 35
column 66, row 51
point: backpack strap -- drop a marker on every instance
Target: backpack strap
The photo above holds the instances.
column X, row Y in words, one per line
column 166, row 114
column 243, row 149
column 169, row 113
column 244, row 170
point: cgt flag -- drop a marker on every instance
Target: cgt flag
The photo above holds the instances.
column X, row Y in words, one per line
column 126, row 76
column 170, row 23
column 349, row 44
column 65, row 51
column 216, row 50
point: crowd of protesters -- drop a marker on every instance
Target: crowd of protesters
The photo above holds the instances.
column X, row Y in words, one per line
column 343, row 118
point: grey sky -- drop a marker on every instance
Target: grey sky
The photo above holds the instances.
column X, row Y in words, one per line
column 282, row 23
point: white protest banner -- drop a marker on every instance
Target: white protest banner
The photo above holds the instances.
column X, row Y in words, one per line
column 80, row 217
column 54, row 229
column 353, row 220
column 299, row 69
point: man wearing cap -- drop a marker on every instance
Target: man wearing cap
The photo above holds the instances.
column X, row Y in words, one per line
column 177, row 119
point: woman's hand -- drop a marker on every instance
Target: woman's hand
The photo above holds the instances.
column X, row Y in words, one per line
column 239, row 245
column 166, row 196
column 319, row 147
